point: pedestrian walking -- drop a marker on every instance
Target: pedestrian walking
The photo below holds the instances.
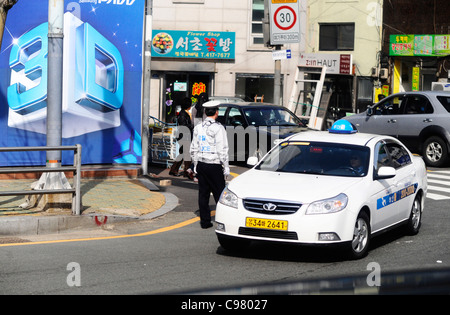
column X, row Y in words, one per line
column 183, row 120
column 209, row 152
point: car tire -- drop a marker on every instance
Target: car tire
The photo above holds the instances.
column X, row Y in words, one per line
column 233, row 243
column 435, row 153
column 415, row 217
column 359, row 245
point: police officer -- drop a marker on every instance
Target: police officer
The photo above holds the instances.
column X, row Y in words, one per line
column 209, row 152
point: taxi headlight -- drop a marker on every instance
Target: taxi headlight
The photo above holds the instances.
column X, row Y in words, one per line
column 229, row 198
column 331, row 205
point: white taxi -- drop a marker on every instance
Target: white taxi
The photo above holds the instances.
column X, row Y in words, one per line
column 317, row 187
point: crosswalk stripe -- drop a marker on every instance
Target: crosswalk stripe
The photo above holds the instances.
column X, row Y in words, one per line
column 435, row 178
column 438, row 176
column 440, row 182
column 437, row 188
column 436, row 196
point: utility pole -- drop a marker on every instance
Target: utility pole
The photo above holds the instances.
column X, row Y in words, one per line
column 53, row 180
column 54, row 94
column 146, row 85
column 277, row 79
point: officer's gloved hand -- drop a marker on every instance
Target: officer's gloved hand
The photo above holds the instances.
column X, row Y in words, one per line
column 226, row 173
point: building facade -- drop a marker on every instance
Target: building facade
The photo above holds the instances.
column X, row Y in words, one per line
column 416, row 45
column 347, row 28
column 233, row 61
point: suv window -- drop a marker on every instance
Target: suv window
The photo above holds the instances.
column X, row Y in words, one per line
column 417, row 104
column 445, row 101
column 389, row 106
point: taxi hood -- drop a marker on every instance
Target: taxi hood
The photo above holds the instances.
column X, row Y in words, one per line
column 303, row 188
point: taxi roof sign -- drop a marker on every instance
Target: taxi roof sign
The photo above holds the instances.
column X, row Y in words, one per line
column 342, row 126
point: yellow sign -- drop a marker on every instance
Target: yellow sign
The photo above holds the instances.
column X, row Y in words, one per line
column 415, row 78
column 284, row 1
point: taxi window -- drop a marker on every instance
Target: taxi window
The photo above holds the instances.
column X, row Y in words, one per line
column 391, row 154
column 318, row 158
column 399, row 156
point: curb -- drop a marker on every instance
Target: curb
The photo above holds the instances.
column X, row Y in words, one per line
column 35, row 225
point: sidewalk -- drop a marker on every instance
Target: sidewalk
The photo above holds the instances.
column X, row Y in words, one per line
column 113, row 197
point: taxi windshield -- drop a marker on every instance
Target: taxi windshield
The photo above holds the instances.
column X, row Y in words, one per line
column 318, row 158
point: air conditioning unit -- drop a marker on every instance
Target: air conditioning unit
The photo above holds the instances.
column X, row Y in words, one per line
column 374, row 72
column 384, row 73
column 440, row 86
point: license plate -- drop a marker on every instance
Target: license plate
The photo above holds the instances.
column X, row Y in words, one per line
column 266, row 224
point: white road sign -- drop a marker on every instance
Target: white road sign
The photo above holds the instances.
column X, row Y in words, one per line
column 284, row 21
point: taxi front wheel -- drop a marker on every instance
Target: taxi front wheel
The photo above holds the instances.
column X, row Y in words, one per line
column 415, row 217
column 359, row 245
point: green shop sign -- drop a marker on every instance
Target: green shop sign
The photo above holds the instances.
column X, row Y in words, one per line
column 193, row 44
column 419, row 45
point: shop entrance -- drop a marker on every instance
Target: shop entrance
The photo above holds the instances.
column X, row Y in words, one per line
column 180, row 85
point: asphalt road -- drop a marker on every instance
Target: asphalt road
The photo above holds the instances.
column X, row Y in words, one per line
column 187, row 259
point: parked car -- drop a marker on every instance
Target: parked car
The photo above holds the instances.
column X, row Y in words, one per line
column 325, row 188
column 421, row 120
column 253, row 128
column 226, row 99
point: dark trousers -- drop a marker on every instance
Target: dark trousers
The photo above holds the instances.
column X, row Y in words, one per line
column 210, row 179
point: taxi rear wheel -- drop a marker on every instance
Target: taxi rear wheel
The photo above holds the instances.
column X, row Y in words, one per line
column 361, row 235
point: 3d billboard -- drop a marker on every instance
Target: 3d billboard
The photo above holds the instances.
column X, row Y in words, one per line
column 102, row 75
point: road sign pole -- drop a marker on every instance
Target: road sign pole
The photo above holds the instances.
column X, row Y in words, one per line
column 277, row 83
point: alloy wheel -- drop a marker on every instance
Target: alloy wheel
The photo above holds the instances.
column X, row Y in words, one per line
column 360, row 236
column 434, row 151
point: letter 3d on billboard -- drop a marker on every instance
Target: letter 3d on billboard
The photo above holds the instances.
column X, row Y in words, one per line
column 102, row 75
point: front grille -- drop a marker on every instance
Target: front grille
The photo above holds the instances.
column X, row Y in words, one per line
column 272, row 206
column 268, row 233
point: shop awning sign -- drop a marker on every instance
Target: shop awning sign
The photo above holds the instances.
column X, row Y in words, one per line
column 419, row 45
column 193, row 44
column 335, row 63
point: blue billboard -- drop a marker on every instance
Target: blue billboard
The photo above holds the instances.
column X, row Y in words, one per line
column 102, row 76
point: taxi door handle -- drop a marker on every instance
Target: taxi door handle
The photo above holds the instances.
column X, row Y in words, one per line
column 428, row 120
column 392, row 121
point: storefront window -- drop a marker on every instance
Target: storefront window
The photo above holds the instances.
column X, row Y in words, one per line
column 256, row 87
column 178, row 86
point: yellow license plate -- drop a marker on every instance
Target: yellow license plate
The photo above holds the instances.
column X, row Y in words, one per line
column 266, row 224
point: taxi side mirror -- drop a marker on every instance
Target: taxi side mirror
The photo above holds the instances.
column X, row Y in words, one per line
column 369, row 111
column 252, row 161
column 385, row 172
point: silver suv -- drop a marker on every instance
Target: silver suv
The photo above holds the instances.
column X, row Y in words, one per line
column 421, row 120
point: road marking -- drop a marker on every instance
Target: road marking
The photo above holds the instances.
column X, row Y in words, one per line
column 161, row 230
column 435, row 178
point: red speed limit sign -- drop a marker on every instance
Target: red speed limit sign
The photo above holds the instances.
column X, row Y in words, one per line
column 284, row 21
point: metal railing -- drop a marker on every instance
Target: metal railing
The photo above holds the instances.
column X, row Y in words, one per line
column 75, row 169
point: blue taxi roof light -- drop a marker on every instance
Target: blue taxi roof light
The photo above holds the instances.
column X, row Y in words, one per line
column 342, row 126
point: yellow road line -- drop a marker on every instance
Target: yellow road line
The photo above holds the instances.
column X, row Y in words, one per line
column 161, row 230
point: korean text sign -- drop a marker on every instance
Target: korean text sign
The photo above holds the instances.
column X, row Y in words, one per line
column 193, row 44
column 419, row 45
